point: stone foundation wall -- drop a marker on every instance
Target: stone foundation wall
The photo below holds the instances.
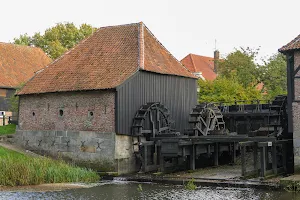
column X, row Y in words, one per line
column 105, row 152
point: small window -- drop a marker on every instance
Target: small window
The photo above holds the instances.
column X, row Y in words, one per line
column 33, row 113
column 61, row 112
column 91, row 114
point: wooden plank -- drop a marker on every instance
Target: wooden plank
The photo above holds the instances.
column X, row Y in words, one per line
column 262, row 161
column 274, row 159
column 243, row 154
column 234, row 153
column 248, row 143
column 255, row 158
column 216, row 153
column 192, row 158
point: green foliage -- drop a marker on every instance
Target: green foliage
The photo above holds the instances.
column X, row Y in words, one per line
column 7, row 129
column 226, row 90
column 19, row 169
column 14, row 100
column 241, row 66
column 292, row 186
column 239, row 76
column 58, row 39
column 23, row 40
column 140, row 188
column 273, row 75
column 190, row 185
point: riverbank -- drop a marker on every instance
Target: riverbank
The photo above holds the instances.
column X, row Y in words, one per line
column 20, row 169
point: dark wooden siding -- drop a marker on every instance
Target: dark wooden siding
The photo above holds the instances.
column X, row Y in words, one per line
column 178, row 94
column 4, row 100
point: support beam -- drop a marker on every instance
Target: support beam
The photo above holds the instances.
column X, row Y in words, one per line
column 243, row 154
column 263, row 161
column 255, row 158
column 274, row 159
column 216, row 152
column 193, row 158
column 234, row 153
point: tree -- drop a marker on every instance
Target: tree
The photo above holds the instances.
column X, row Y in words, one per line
column 14, row 100
column 273, row 75
column 228, row 90
column 240, row 65
column 58, row 39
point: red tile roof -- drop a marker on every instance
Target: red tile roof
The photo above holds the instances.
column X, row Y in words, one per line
column 197, row 63
column 105, row 60
column 18, row 63
column 293, row 45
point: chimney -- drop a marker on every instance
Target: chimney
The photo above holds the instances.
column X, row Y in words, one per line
column 216, row 60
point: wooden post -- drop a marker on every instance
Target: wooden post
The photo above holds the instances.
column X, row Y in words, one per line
column 284, row 149
column 234, row 153
column 263, row 161
column 216, row 152
column 192, row 157
column 161, row 163
column 243, row 154
column 145, row 158
column 255, row 158
column 274, row 159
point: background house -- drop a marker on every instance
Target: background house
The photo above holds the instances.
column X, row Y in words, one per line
column 17, row 65
column 83, row 104
column 202, row 66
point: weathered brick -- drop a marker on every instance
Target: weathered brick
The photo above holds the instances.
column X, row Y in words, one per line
column 75, row 106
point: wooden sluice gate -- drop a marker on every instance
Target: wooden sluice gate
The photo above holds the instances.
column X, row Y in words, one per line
column 256, row 132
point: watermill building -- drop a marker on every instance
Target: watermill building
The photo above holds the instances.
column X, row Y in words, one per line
column 82, row 105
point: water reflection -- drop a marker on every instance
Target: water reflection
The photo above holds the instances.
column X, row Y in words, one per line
column 129, row 190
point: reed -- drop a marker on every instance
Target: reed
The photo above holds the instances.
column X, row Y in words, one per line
column 17, row 169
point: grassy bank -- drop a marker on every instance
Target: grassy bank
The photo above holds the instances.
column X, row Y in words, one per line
column 8, row 129
column 19, row 169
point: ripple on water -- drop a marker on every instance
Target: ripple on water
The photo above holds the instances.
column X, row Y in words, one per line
column 129, row 190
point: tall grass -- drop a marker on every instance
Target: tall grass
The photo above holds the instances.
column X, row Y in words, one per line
column 19, row 169
column 7, row 129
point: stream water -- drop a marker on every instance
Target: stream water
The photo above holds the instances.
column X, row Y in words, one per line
column 131, row 190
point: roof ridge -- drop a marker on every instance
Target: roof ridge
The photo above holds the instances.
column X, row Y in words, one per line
column 113, row 26
column 141, row 46
column 166, row 49
column 19, row 45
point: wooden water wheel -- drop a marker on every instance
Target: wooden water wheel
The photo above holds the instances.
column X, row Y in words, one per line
column 206, row 119
column 151, row 120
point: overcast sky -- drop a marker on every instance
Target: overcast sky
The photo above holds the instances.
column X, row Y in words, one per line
column 183, row 27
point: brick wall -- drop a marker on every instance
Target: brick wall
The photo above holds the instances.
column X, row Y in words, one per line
column 81, row 111
column 296, row 114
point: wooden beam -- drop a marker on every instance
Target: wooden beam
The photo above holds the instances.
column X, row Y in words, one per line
column 274, row 159
column 243, row 154
column 192, row 157
column 263, row 161
column 296, row 71
column 216, row 152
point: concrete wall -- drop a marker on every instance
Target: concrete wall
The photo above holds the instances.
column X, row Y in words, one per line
column 296, row 114
column 91, row 149
column 42, row 112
